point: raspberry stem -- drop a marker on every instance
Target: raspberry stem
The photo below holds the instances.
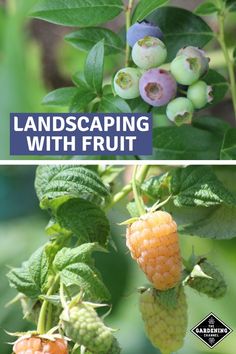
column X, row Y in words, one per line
column 137, row 197
column 128, row 23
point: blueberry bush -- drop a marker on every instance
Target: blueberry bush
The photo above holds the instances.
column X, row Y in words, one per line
column 61, row 291
column 163, row 70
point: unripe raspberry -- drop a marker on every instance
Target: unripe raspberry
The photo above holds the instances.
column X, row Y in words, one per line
column 214, row 286
column 194, row 52
column 114, row 349
column 142, row 29
column 84, row 327
column 157, row 87
column 36, row 345
column 165, row 325
column 149, row 52
column 153, row 243
column 200, row 94
column 126, row 83
column 186, row 70
column 180, row 111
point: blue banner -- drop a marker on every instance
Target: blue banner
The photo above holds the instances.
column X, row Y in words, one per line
column 80, row 134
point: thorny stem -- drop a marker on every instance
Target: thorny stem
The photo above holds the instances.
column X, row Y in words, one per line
column 42, row 325
column 128, row 23
column 128, row 188
column 138, row 200
column 225, row 49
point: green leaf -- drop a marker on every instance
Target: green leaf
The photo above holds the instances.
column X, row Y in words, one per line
column 215, row 225
column 217, row 126
column 145, row 7
column 185, row 142
column 84, row 219
column 83, row 13
column 156, row 187
column 181, row 28
column 94, row 67
column 60, row 97
column 231, row 5
column 206, row 8
column 79, row 80
column 76, row 268
column 228, row 149
column 81, row 100
column 234, row 55
column 137, row 105
column 219, row 84
column 113, row 104
column 198, row 186
column 86, row 38
column 54, row 181
column 31, row 278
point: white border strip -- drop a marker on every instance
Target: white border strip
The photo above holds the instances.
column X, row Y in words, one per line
column 119, row 162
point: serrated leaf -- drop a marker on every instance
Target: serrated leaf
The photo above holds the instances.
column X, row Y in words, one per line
column 76, row 268
column 61, row 97
column 87, row 221
column 94, row 67
column 31, row 278
column 206, row 8
column 54, row 181
column 219, row 84
column 86, row 38
column 181, row 28
column 228, row 149
column 215, row 225
column 156, row 187
column 145, row 7
column 113, row 104
column 83, row 13
column 198, row 186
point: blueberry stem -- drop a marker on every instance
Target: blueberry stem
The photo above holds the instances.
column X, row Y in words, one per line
column 225, row 49
column 128, row 23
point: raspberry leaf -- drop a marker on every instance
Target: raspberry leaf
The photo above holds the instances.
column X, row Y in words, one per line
column 86, row 38
column 83, row 218
column 181, row 27
column 69, row 180
column 77, row 271
column 81, row 13
column 31, row 278
column 198, row 186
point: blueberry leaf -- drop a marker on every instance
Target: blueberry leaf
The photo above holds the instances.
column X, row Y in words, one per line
column 145, row 7
column 86, row 38
column 60, row 97
column 228, row 149
column 114, row 104
column 94, row 67
column 206, row 8
column 219, row 84
column 83, row 13
column 181, row 28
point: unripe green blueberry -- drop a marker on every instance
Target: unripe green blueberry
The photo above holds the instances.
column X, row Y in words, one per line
column 149, row 52
column 126, row 83
column 180, row 111
column 200, row 94
column 186, row 70
column 195, row 52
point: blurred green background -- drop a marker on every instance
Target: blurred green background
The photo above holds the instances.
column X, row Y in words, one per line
column 35, row 59
column 22, row 231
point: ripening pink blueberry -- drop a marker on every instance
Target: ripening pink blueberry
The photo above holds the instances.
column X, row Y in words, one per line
column 157, row 87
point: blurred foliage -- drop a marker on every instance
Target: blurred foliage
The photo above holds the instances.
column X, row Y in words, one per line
column 23, row 232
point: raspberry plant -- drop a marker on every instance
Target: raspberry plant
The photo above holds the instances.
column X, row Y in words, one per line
column 59, row 286
column 160, row 37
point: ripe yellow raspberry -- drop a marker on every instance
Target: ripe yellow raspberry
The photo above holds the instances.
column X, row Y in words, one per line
column 36, row 345
column 153, row 243
column 165, row 324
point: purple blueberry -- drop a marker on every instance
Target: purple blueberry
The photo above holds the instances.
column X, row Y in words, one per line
column 157, row 87
column 142, row 29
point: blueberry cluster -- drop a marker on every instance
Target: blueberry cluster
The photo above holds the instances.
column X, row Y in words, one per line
column 159, row 87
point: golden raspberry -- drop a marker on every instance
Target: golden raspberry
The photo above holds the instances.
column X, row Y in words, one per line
column 153, row 243
column 165, row 324
column 36, row 345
